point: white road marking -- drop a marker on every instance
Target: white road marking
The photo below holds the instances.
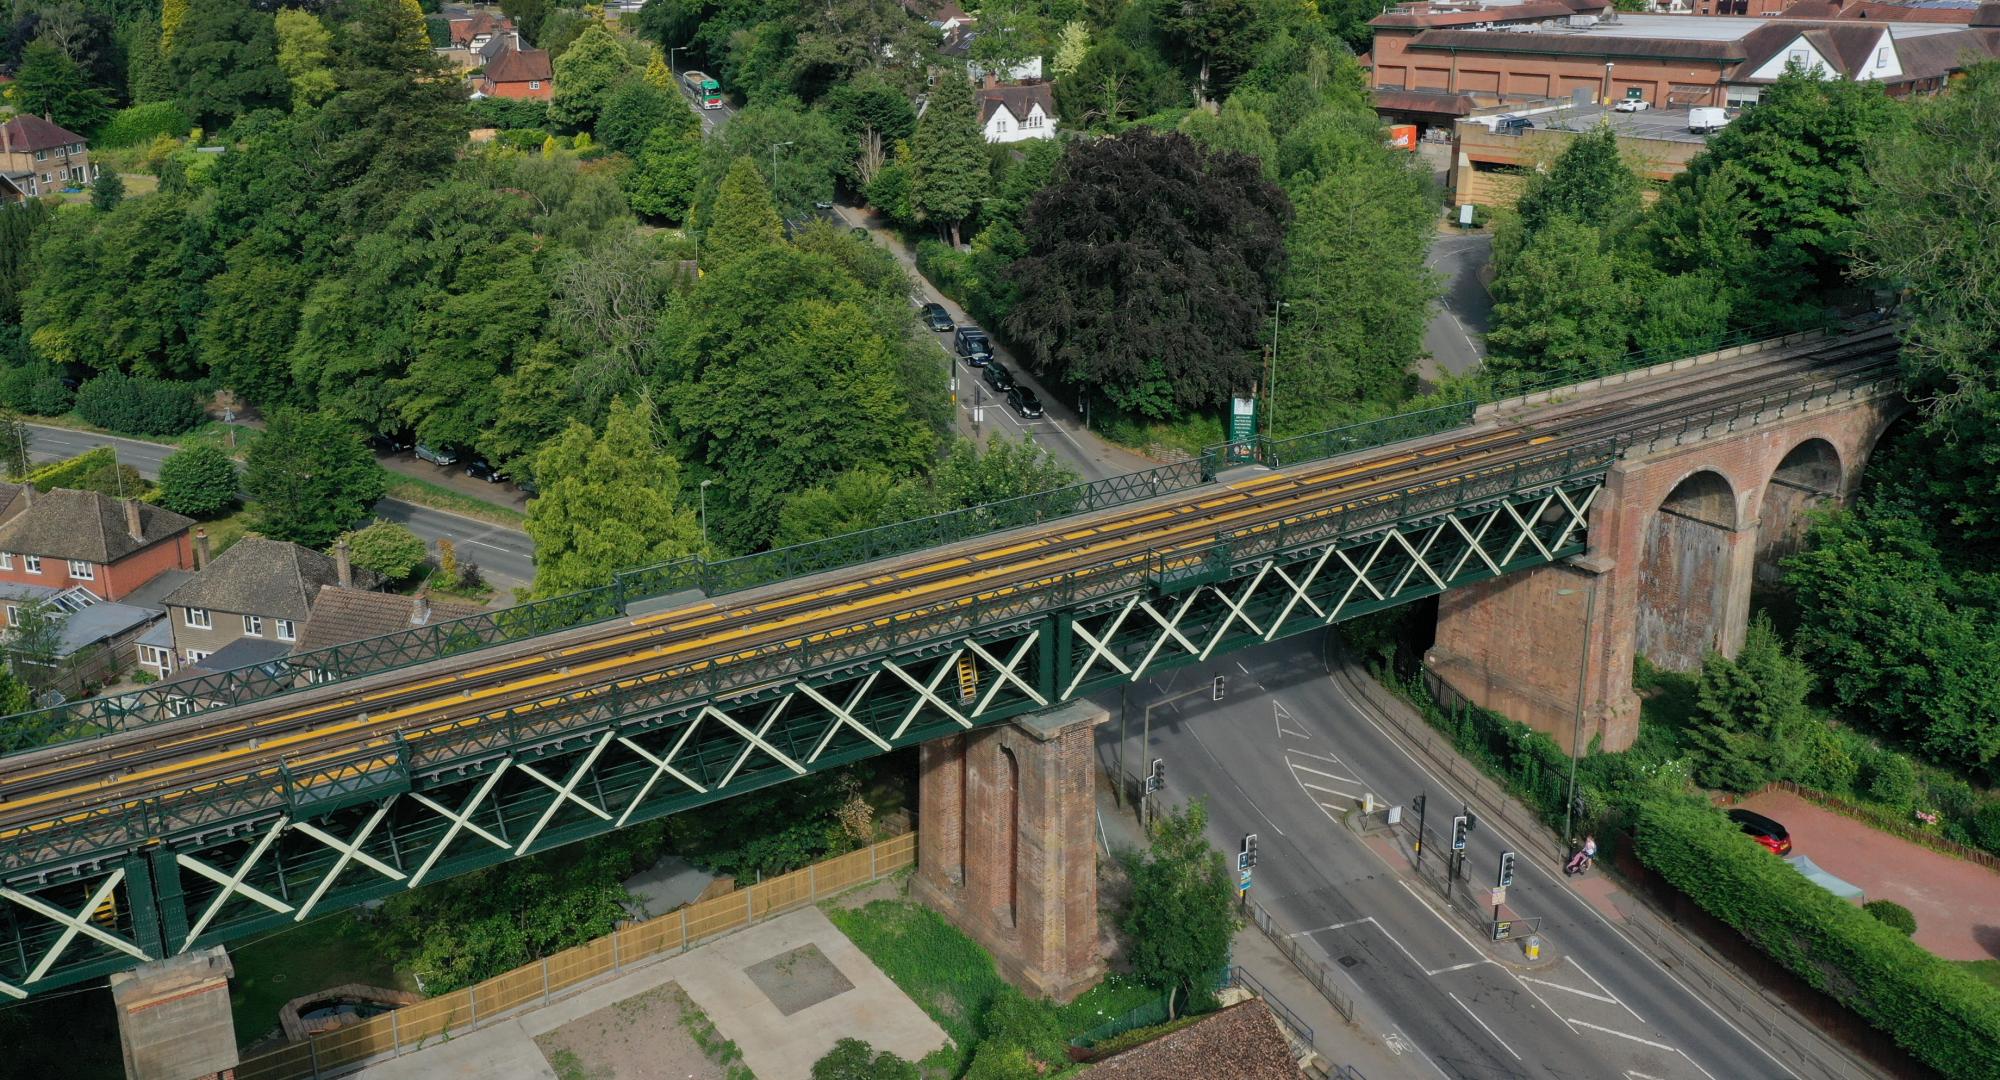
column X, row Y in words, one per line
column 1434, row 912
column 1328, row 790
column 1295, row 734
column 1482, row 1023
column 1239, row 787
column 1606, row 989
column 1696, row 1064
column 1459, row 967
column 1335, row 926
column 1322, row 772
column 1540, row 998
column 1246, row 671
column 1568, row 990
column 1622, row 1035
column 1315, row 757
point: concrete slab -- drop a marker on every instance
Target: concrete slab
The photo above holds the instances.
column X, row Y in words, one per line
column 715, row 977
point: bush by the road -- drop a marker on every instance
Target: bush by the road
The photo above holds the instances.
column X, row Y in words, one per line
column 1941, row 1014
column 70, row 472
column 388, row 549
column 138, row 405
column 199, row 482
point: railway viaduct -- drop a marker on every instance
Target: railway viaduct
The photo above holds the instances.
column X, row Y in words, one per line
column 1628, row 515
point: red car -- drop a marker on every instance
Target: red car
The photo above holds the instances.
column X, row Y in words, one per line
column 1763, row 830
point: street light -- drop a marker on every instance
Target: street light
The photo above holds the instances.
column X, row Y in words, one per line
column 1582, row 678
column 704, row 514
column 670, row 58
column 774, row 166
column 1271, row 383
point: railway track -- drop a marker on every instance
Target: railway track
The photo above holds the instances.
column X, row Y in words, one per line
column 42, row 789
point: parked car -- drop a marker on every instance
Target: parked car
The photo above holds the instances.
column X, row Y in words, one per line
column 443, row 455
column 972, row 344
column 1763, row 830
column 937, row 318
column 1512, row 125
column 1632, row 104
column 390, row 442
column 998, row 377
column 1707, row 121
column 481, row 469
column 1025, row 402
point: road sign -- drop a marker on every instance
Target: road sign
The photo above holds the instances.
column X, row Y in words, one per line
column 1243, row 881
column 1501, row 928
column 1499, row 895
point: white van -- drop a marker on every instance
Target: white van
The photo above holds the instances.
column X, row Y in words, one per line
column 1707, row 121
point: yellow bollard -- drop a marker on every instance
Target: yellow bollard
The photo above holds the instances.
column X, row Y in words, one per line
column 1533, row 947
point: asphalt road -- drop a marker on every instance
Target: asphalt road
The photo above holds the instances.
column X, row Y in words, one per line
column 1282, row 755
column 506, row 557
column 1455, row 337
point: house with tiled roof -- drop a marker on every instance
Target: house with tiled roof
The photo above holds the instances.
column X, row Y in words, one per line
column 260, row 592
column 1017, row 113
column 518, row 73
column 342, row 616
column 63, row 539
column 38, row 157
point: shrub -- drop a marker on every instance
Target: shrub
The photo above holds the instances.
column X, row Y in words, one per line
column 510, row 113
column 1890, row 913
column 199, row 482
column 1943, row 1015
column 1892, row 780
column 997, row 1062
column 17, row 385
column 70, row 472
column 50, row 396
column 949, row 270
column 138, row 405
column 1824, row 761
column 853, row 1059
column 1985, row 826
column 142, row 124
column 388, row 549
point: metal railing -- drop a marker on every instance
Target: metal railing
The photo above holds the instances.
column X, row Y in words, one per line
column 1297, row 1031
column 1315, row 970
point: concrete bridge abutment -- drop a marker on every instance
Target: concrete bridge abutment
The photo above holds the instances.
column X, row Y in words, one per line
column 1678, row 538
column 174, row 1021
column 1006, row 845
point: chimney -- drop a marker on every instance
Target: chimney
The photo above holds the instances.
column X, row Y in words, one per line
column 342, row 567
column 7, row 137
column 132, row 524
column 28, row 493
column 200, row 549
column 420, row 610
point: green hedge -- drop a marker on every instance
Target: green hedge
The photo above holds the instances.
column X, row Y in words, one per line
column 141, row 124
column 1941, row 1014
column 69, row 472
column 139, row 404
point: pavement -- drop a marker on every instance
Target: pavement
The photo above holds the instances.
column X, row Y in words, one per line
column 716, row 976
column 1289, row 750
column 1455, row 339
column 506, row 557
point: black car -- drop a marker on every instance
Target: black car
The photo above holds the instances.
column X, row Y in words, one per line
column 1763, row 830
column 972, row 344
column 1025, row 402
column 937, row 318
column 392, row 443
column 998, row 377
column 481, row 469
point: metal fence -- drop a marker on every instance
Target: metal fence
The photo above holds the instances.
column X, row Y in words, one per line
column 1312, row 967
column 1297, row 1031
column 447, row 1015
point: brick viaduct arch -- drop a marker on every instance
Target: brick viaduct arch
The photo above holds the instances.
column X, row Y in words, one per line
column 1677, row 539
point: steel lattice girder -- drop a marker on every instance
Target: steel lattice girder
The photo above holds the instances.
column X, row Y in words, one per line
column 255, row 855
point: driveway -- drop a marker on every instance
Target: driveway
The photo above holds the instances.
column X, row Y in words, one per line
column 1455, row 338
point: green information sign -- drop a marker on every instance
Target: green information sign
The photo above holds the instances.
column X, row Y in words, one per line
column 1242, row 429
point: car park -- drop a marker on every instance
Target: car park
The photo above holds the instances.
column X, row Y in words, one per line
column 998, row 377
column 481, row 469
column 937, row 318
column 972, row 343
column 1763, row 830
column 1707, row 120
column 390, row 442
column 442, row 455
column 1632, row 105
column 1025, row 402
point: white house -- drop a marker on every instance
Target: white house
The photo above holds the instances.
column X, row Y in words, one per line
column 1017, row 113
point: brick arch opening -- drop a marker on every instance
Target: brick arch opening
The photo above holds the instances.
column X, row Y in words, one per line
column 1687, row 573
column 1010, row 844
column 1808, row 477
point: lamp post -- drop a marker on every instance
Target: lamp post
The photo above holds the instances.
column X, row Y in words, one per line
column 774, row 167
column 670, row 58
column 1271, row 382
column 1582, row 677
column 704, row 513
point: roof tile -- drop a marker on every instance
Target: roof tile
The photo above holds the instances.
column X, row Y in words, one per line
column 87, row 526
column 271, row 578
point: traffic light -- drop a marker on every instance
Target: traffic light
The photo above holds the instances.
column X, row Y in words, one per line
column 1417, row 804
column 1248, row 858
column 1159, row 773
column 1460, row 825
column 1506, row 869
column 1218, row 688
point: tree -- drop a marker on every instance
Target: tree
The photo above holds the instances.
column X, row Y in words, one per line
column 875, row 116
column 744, row 221
column 586, row 74
column 199, row 481
column 1219, row 37
column 1114, row 82
column 305, row 55
column 661, row 183
column 34, row 646
column 853, row 1059
column 657, row 74
column 15, row 696
column 1589, row 183
column 528, row 17
column 1235, row 127
column 50, row 84
column 13, row 444
column 224, row 60
column 948, row 174
column 609, row 502
column 1011, row 32
column 310, row 477
column 605, row 308
column 387, row 548
column 1562, row 308
column 1159, row 313
column 834, row 40
column 854, row 500
column 107, row 191
column 635, row 109
column 798, row 151
column 1749, row 712
column 1180, row 919
column 18, row 232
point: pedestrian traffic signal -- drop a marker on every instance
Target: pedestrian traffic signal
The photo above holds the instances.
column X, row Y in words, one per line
column 1218, row 688
column 1460, row 825
column 1417, row 804
column 1506, row 869
column 1159, row 773
column 1248, row 858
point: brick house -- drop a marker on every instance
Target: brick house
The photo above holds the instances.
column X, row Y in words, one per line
column 41, row 158
column 518, row 73
column 259, row 593
column 63, row 539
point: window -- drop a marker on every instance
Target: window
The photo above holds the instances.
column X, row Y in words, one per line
column 196, row 656
column 82, row 571
column 1034, row 120
column 253, row 625
column 1882, row 56
column 6, row 560
column 1000, row 124
column 153, row 656
column 41, row 155
column 287, row 630
column 13, row 615
column 197, row 618
column 534, row 84
column 33, row 563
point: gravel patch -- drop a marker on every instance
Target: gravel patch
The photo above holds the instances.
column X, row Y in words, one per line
column 640, row 1038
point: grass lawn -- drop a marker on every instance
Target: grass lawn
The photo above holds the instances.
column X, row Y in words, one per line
column 273, row 970
column 409, row 489
column 211, row 433
column 1191, row 435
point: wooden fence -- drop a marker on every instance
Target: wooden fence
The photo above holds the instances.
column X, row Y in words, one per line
column 415, row 1026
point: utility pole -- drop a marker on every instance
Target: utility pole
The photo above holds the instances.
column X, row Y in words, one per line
column 1421, row 802
column 704, row 514
column 1271, row 381
column 774, row 168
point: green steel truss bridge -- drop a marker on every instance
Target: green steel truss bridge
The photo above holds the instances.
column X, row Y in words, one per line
column 138, row 827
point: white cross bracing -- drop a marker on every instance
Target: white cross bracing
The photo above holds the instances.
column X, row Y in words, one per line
column 350, row 851
column 461, row 820
column 927, row 692
column 232, row 884
column 72, row 926
column 565, row 792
